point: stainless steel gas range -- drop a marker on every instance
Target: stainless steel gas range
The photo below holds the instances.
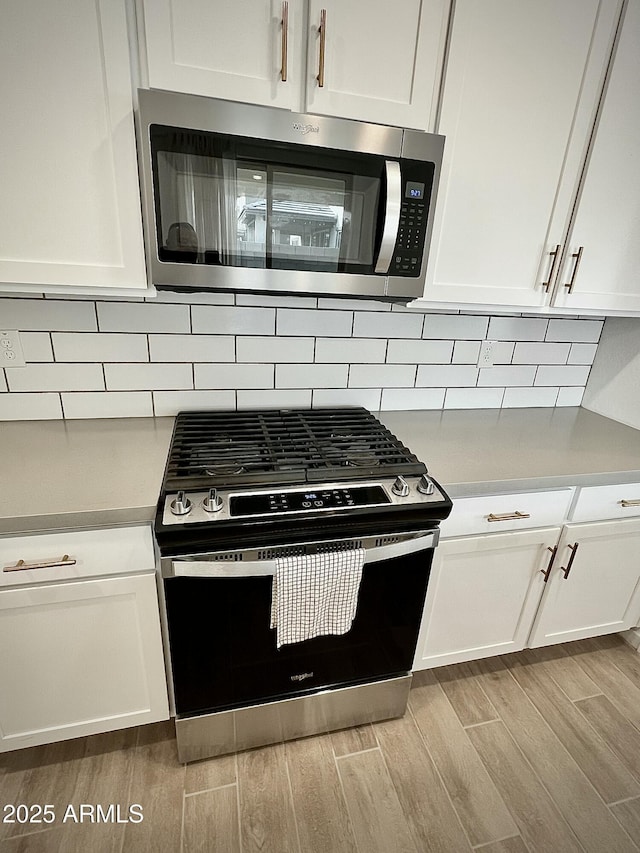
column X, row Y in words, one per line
column 244, row 490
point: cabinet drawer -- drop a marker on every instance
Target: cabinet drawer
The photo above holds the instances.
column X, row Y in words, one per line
column 111, row 551
column 496, row 513
column 597, row 503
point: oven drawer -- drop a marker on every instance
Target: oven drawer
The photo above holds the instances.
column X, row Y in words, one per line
column 596, row 503
column 497, row 513
column 73, row 555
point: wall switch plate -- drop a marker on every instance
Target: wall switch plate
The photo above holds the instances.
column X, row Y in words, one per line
column 11, row 354
column 485, row 358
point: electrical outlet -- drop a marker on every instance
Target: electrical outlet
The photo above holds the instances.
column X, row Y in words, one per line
column 485, row 358
column 11, row 354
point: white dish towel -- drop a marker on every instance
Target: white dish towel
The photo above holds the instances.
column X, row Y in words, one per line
column 315, row 594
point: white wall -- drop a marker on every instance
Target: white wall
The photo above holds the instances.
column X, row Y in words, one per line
column 613, row 388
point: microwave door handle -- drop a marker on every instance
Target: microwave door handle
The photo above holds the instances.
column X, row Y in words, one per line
column 391, row 215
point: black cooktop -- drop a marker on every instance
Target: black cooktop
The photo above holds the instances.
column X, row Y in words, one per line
column 232, row 448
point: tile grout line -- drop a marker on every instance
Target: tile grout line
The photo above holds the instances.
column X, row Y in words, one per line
column 208, row 790
column 291, row 799
column 626, row 800
column 483, row 723
column 238, row 802
column 498, row 841
column 346, row 805
column 357, row 752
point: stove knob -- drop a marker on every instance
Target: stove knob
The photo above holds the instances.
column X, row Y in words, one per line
column 400, row 487
column 425, row 486
column 181, row 505
column 213, row 501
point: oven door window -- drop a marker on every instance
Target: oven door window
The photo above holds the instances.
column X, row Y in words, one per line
column 231, row 201
column 224, row 652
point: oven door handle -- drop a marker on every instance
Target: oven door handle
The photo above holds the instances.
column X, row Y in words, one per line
column 210, row 566
column 391, row 216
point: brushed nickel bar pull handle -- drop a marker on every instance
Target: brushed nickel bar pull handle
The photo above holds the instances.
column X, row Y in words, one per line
column 322, row 30
column 629, row 503
column 21, row 566
column 556, row 256
column 546, row 572
column 578, row 256
column 285, row 38
column 507, row 516
column 574, row 550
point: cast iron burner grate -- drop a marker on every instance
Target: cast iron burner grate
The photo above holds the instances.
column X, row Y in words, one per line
column 233, row 448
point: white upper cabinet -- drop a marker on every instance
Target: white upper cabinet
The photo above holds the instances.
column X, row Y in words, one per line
column 248, row 50
column 375, row 62
column 521, row 89
column 70, row 202
column 605, row 237
column 359, row 60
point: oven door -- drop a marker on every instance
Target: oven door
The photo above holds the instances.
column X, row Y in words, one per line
column 223, row 651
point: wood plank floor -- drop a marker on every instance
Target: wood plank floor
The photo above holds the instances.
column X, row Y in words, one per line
column 536, row 752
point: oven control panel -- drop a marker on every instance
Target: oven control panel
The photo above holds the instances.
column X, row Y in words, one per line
column 225, row 504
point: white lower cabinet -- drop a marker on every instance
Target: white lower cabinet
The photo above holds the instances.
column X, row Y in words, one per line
column 594, row 587
column 483, row 595
column 492, row 594
column 82, row 655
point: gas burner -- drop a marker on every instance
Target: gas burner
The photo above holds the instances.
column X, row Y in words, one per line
column 360, row 455
column 224, row 470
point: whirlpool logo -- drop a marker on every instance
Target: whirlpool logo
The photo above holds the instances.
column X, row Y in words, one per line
column 304, row 129
column 301, row 677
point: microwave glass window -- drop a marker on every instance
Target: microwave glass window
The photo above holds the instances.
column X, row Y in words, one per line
column 236, row 202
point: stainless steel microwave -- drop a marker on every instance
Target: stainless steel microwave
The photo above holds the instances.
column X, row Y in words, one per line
column 253, row 199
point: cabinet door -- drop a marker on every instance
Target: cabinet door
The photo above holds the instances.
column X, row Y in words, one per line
column 607, row 223
column 602, row 591
column 521, row 88
column 224, row 50
column 381, row 62
column 79, row 658
column 70, row 200
column 482, row 596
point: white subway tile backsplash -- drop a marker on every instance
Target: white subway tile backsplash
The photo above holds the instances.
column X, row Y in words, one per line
column 466, row 352
column 570, row 396
column 291, row 321
column 142, row 317
column 107, row 404
column 274, row 399
column 367, row 397
column 311, row 375
column 455, row 326
column 232, row 320
column 56, row 377
column 584, row 331
column 582, row 353
column 350, row 350
column 376, row 324
column 446, row 376
column 407, row 351
column 473, row 398
column 36, row 346
column 47, row 315
column 562, row 375
column 506, row 376
column 234, row 375
column 541, row 353
column 382, row 375
column 272, row 349
column 521, row 398
column 184, row 348
column 30, row 407
column 97, row 346
column 517, row 329
column 171, row 402
column 212, row 350
column 148, row 377
column 394, row 399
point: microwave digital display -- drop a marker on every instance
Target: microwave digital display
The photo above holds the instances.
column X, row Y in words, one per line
column 414, row 190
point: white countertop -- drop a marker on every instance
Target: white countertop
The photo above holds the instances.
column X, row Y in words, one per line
column 91, row 473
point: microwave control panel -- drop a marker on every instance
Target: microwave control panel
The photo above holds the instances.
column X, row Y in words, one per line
column 417, row 180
